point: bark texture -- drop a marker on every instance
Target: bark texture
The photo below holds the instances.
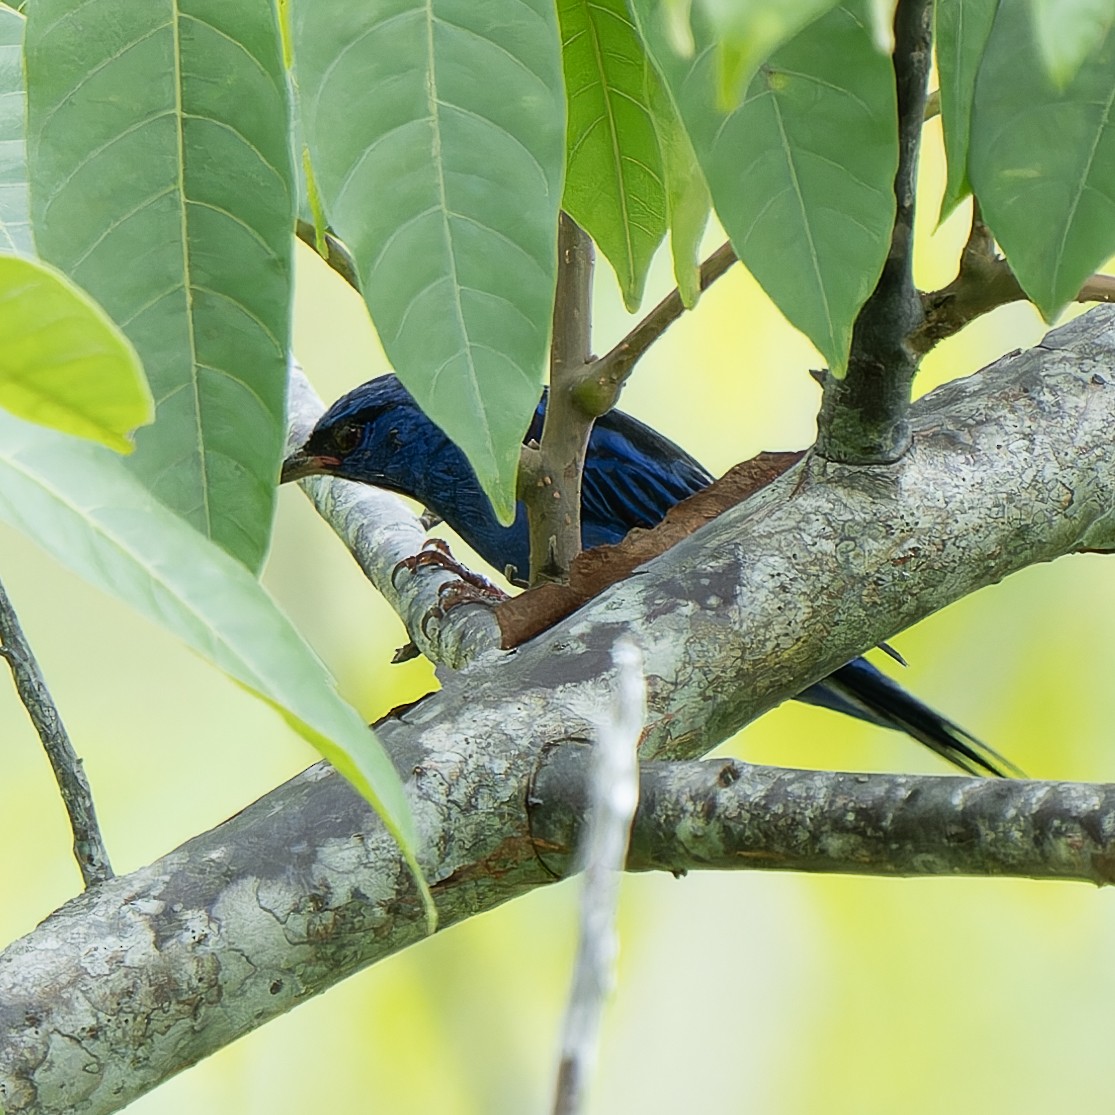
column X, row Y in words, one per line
column 146, row 974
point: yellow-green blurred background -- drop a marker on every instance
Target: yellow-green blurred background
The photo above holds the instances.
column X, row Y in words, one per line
column 765, row 994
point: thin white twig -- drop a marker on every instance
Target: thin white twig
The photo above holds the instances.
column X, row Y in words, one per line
column 613, row 796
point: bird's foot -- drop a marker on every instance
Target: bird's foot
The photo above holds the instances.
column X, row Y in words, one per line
column 469, row 588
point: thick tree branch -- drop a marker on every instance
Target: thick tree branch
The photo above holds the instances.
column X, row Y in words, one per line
column 89, row 846
column 142, row 976
column 863, row 416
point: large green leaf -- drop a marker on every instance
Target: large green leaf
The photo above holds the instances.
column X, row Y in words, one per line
column 802, row 171
column 159, row 150
column 687, row 198
column 748, row 32
column 1067, row 31
column 437, row 130
column 84, row 507
column 15, row 217
column 614, row 185
column 63, row 363
column 962, row 28
column 1042, row 160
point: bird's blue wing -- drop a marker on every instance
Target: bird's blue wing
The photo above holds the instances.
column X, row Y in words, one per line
column 633, row 476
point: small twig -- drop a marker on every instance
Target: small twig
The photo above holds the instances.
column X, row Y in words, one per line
column 984, row 282
column 89, row 848
column 551, row 483
column 335, row 254
column 864, row 416
column 610, row 371
column 614, row 796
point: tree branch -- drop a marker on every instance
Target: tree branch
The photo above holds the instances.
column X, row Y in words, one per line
column 984, row 282
column 613, row 794
column 551, row 485
column 864, row 415
column 89, row 846
column 381, row 532
column 134, row 980
column 610, row 372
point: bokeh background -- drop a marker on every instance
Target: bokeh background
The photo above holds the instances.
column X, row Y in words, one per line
column 771, row 994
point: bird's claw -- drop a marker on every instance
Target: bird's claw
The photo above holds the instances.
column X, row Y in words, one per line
column 468, row 588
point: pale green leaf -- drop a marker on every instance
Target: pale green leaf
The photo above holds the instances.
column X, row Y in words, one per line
column 687, row 198
column 962, row 27
column 1042, row 161
column 1067, row 31
column 15, row 216
column 437, row 131
column 159, row 152
column 801, row 173
column 85, row 508
column 63, row 363
column 748, row 32
column 614, row 185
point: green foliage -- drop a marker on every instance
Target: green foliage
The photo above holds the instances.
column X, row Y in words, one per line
column 962, row 27
column 614, row 186
column 64, row 363
column 748, row 32
column 801, row 171
column 1042, row 160
column 81, row 505
column 436, row 132
column 434, row 136
column 1067, row 32
column 159, row 155
column 15, row 216
column 687, row 198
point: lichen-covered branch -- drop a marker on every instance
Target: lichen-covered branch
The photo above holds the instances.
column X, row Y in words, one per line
column 727, row 815
column 142, row 976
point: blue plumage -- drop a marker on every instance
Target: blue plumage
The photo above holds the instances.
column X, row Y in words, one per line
column 376, row 434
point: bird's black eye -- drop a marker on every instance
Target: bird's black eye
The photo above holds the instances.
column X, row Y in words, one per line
column 347, row 437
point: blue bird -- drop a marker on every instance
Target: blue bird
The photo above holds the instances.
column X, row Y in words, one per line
column 376, row 434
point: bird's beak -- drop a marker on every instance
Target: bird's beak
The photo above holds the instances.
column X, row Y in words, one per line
column 300, row 463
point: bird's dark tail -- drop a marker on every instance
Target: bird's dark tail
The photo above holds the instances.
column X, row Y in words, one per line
column 863, row 691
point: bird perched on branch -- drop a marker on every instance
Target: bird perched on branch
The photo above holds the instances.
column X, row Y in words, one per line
column 376, row 434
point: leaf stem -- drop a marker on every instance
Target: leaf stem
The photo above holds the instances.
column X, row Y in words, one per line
column 89, row 848
column 551, row 484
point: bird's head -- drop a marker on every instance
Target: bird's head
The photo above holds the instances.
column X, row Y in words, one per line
column 363, row 436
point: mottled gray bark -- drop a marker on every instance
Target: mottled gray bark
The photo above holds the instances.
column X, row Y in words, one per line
column 146, row 974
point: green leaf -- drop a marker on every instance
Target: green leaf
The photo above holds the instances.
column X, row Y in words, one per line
column 1067, row 31
column 159, row 150
column 15, row 216
column 437, row 131
column 63, row 363
column 84, row 507
column 614, row 175
column 1042, row 161
column 687, row 197
column 962, row 28
column 802, row 172
column 748, row 32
